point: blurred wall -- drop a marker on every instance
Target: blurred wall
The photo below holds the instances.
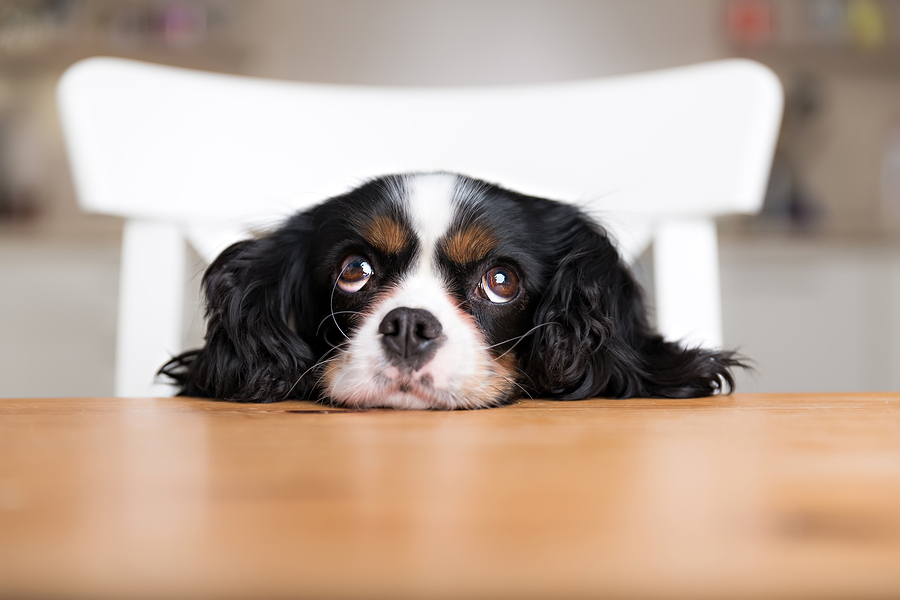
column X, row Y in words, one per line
column 465, row 42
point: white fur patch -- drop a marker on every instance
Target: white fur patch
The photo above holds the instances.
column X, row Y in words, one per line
column 431, row 208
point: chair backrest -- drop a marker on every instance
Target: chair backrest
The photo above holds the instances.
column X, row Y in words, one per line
column 207, row 157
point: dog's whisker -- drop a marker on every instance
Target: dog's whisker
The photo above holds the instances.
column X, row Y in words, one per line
column 528, row 377
column 515, row 383
column 331, row 304
column 519, row 337
column 318, row 363
column 340, row 376
column 340, row 312
column 332, row 344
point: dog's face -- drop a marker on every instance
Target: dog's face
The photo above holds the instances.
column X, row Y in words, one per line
column 435, row 283
column 433, row 291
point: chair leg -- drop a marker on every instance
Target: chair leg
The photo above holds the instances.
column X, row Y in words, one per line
column 686, row 279
column 151, row 297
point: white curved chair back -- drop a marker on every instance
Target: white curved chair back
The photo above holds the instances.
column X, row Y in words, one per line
column 207, row 157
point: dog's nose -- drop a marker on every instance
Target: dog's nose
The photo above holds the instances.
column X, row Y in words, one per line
column 410, row 335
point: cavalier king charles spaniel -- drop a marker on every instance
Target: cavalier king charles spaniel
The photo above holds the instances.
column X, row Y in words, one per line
column 434, row 291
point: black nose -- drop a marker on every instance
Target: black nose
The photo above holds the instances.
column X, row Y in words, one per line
column 411, row 336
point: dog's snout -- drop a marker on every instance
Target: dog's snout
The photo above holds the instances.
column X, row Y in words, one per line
column 410, row 336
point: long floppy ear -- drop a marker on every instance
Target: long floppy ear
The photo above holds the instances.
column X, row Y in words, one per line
column 600, row 342
column 257, row 338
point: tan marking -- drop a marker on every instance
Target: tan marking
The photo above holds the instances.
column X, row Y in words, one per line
column 494, row 387
column 329, row 374
column 469, row 245
column 506, row 364
column 386, row 235
column 505, row 367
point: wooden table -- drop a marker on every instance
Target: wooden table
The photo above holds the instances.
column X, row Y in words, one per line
column 781, row 495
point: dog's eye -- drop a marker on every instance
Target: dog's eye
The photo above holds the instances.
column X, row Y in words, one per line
column 355, row 272
column 500, row 285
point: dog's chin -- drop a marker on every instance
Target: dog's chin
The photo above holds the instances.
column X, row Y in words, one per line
column 411, row 393
column 400, row 400
column 401, row 393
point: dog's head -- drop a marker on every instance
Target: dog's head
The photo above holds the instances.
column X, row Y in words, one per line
column 434, row 291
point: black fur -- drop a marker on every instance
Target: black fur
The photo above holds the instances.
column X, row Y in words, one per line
column 602, row 344
column 252, row 291
column 269, row 305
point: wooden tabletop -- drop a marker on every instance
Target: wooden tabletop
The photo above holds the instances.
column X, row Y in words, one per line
column 781, row 495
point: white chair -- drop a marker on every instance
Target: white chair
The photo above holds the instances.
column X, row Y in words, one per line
column 186, row 155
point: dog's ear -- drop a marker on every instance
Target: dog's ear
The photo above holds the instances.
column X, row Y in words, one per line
column 597, row 341
column 257, row 338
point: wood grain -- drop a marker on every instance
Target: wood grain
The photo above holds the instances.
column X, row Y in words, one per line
column 781, row 495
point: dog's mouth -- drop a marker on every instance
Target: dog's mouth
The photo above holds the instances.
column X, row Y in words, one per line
column 407, row 388
column 405, row 380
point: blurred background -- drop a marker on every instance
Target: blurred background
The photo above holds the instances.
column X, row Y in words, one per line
column 811, row 287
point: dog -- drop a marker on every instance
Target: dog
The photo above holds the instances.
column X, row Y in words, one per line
column 435, row 291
